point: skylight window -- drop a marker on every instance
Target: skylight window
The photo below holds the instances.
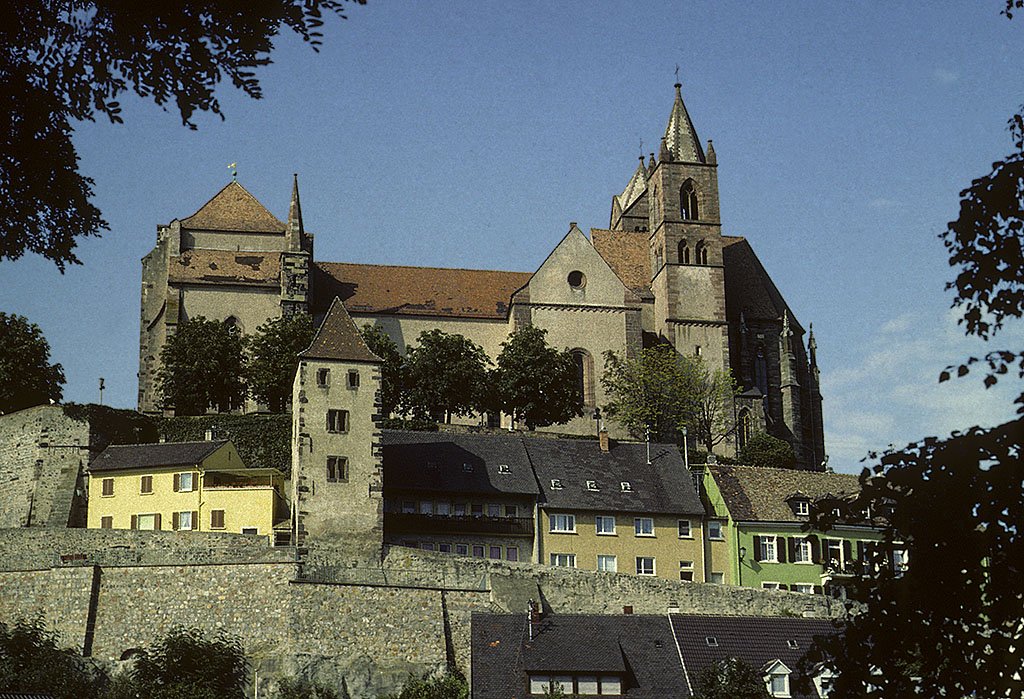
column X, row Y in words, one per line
column 556, row 483
column 467, row 467
column 504, row 468
column 792, row 644
column 711, row 641
column 592, row 485
column 626, row 487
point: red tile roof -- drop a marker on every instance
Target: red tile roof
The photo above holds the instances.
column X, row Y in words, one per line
column 423, row 291
column 222, row 266
column 234, row 209
column 338, row 338
column 626, row 253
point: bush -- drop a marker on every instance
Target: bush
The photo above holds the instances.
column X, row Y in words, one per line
column 32, row 661
column 451, row 685
column 263, row 441
column 764, row 450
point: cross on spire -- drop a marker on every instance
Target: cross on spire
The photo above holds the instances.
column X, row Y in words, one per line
column 677, row 72
column 234, row 170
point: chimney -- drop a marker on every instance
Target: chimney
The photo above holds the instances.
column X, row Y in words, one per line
column 602, row 437
column 209, row 434
column 534, row 619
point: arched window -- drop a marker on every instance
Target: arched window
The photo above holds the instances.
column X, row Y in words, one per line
column 684, row 252
column 744, row 427
column 688, row 202
column 700, row 253
column 584, row 375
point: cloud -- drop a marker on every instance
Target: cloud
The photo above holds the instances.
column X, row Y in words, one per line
column 945, row 76
column 891, row 394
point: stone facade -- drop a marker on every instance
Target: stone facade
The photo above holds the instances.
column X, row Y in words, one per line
column 662, row 271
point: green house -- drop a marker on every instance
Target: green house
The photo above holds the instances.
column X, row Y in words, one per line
column 764, row 512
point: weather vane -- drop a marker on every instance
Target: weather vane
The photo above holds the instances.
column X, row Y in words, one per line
column 234, row 170
column 677, row 72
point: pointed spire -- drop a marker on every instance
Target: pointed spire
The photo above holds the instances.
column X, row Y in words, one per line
column 338, row 338
column 812, row 347
column 636, row 187
column 651, row 165
column 680, row 136
column 712, row 158
column 295, row 227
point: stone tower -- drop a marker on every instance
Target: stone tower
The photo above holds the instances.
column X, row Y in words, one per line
column 336, row 465
column 685, row 243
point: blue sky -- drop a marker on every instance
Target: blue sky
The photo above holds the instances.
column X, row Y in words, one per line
column 470, row 134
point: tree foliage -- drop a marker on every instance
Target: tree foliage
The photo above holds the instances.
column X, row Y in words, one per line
column 537, row 385
column 447, row 375
column 66, row 62
column 26, row 376
column 392, row 369
column 451, row 685
column 301, row 688
column 185, row 664
column 664, row 391
column 764, row 450
column 31, row 660
column 273, row 358
column 730, row 678
column 202, row 366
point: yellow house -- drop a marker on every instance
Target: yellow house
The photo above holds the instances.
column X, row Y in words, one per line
column 620, row 508
column 183, row 486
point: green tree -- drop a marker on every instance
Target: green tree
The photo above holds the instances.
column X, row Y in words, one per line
column 451, row 685
column 273, row 357
column 730, row 678
column 301, row 688
column 447, row 376
column 940, row 600
column 64, row 62
column 31, row 660
column 535, row 384
column 764, row 450
column 664, row 391
column 392, row 369
column 202, row 366
column 186, row 665
column 26, row 376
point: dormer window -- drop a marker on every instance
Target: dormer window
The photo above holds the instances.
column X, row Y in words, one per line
column 776, row 678
column 626, row 487
column 803, row 508
column 592, row 485
column 556, row 483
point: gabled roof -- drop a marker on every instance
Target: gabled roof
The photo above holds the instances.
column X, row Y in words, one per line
column 146, row 456
column 756, row 494
column 749, row 289
column 663, row 486
column 421, row 291
column 638, row 648
column 233, row 208
column 635, row 188
column 222, row 266
column 626, row 253
column 680, row 136
column 448, row 462
column 338, row 338
column 757, row 641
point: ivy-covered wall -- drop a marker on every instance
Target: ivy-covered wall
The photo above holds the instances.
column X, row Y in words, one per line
column 263, row 441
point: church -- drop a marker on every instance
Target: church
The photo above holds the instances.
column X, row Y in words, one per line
column 661, row 271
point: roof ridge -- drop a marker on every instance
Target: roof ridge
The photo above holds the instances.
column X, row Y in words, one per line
column 446, row 269
column 155, row 444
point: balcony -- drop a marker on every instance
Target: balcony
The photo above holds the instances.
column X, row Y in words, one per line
column 412, row 523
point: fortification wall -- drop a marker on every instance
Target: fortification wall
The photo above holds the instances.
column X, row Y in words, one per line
column 360, row 625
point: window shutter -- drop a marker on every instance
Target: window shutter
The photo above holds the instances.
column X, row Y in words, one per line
column 135, row 521
column 847, row 550
column 792, row 542
column 156, row 524
column 177, row 483
column 195, row 520
column 817, row 589
column 757, row 548
column 175, row 519
column 780, row 548
column 815, row 549
column 861, row 551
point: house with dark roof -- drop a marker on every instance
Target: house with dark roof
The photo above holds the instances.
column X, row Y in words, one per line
column 664, row 270
column 619, row 508
column 516, row 656
column 465, row 494
column 764, row 514
column 184, row 487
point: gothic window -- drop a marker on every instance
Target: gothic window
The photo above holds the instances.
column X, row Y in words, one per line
column 688, row 202
column 684, row 252
column 700, row 253
column 743, row 427
column 584, row 375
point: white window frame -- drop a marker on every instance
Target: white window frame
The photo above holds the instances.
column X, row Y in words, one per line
column 643, row 570
column 640, row 528
column 803, row 551
column 716, row 531
column 562, row 523
column 605, row 530
column 191, row 482
column 181, row 521
column 769, row 585
column 803, row 508
column 563, row 560
column 603, row 561
column 717, row 578
column 689, row 529
column 768, row 551
column 770, row 681
column 151, row 517
column 687, row 568
column 805, row 588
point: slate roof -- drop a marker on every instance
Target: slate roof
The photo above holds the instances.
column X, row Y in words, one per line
column 221, row 266
column 663, row 486
column 754, row 640
column 435, row 462
column 146, row 456
column 680, row 135
column 759, row 494
column 422, row 291
column 635, row 188
column 233, row 208
column 338, row 338
column 748, row 288
column 626, row 253
column 639, row 648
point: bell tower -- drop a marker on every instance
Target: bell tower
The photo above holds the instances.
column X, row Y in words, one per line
column 687, row 273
